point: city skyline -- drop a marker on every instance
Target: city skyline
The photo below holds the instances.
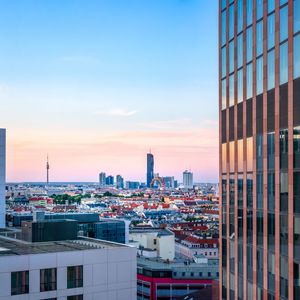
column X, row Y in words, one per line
column 96, row 95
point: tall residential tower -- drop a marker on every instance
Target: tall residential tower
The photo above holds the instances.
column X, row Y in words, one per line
column 2, row 176
column 150, row 168
column 259, row 87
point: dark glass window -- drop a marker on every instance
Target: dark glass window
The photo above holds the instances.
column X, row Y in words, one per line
column 284, row 192
column 240, row 225
column 297, row 238
column 271, row 232
column 249, row 226
column 260, row 190
column 297, row 147
column 75, row 277
column 249, row 263
column 231, row 222
column 249, row 191
column 19, row 283
column 260, row 266
column 271, row 191
column 76, row 297
column 47, row 280
column 284, row 277
column 296, row 281
column 283, row 149
column 240, row 192
column 259, row 228
column 284, row 234
column 271, row 271
column 297, row 192
column 231, row 186
column 271, row 150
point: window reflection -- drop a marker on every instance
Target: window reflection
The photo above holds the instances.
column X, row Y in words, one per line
column 284, row 63
column 240, row 50
column 271, row 31
column 240, row 85
column 249, row 81
column 223, row 62
column 297, row 55
column 231, row 56
column 249, row 8
column 224, row 158
column 250, row 154
column 231, row 21
column 271, row 69
column 224, row 27
column 259, row 75
column 284, row 23
column 259, row 38
column 296, row 16
column 231, row 157
column 231, row 90
column 249, row 44
column 259, row 9
column 240, row 155
column 240, row 17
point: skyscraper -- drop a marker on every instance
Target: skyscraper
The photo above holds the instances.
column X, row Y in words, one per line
column 2, row 176
column 102, row 179
column 150, row 168
column 259, row 84
column 187, row 179
column 119, row 182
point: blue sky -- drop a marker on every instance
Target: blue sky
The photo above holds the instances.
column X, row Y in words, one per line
column 97, row 83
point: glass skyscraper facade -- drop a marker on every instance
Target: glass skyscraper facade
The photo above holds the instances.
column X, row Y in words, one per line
column 150, row 168
column 259, row 88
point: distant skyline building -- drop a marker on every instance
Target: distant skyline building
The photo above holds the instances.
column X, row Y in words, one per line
column 259, row 113
column 102, row 179
column 188, row 179
column 110, row 181
column 2, row 176
column 150, row 168
column 169, row 182
column 47, row 169
column 119, row 182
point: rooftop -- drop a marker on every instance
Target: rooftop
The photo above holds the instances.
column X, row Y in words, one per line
column 10, row 246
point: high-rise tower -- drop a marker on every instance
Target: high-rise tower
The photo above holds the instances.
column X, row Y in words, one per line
column 2, row 176
column 150, row 168
column 259, row 84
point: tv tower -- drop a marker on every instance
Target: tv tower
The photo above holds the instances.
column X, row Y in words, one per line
column 47, row 168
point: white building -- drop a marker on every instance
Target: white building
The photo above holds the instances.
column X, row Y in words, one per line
column 2, row 176
column 78, row 269
column 154, row 242
column 188, row 179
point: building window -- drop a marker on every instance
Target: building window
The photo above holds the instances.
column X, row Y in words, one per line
column 240, row 51
column 223, row 93
column 249, row 8
column 231, row 56
column 259, row 9
column 224, row 27
column 19, row 283
column 259, row 75
column 284, row 63
column 249, row 81
column 76, row 297
column 223, row 62
column 271, row 70
column 259, row 38
column 249, row 44
column 231, row 21
column 240, row 85
column 75, row 277
column 223, row 4
column 231, row 90
column 271, row 31
column 240, row 18
column 209, row 274
column 271, row 5
column 296, row 16
column 48, row 280
column 284, row 17
column 297, row 55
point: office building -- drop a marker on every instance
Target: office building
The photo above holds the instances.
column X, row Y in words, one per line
column 132, row 185
column 102, row 179
column 169, row 182
column 119, row 182
column 2, row 176
column 150, row 168
column 63, row 266
column 188, row 179
column 259, row 84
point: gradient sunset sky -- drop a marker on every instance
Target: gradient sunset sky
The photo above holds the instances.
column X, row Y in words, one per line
column 97, row 83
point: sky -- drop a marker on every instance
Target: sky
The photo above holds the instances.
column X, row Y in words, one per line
column 97, row 83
